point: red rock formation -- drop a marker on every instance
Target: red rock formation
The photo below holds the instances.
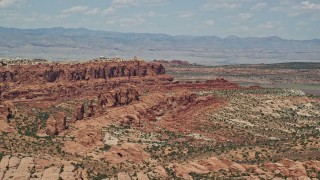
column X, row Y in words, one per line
column 102, row 100
column 51, row 127
column 90, row 109
column 9, row 115
column 77, row 72
column 114, row 83
column 61, row 120
column 7, row 110
column 130, row 119
column 119, row 97
column 66, row 80
column 8, row 76
column 56, row 124
column 53, row 75
column 124, row 96
column 80, row 113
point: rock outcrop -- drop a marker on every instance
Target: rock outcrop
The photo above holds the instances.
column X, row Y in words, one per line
column 77, row 72
column 51, row 127
column 80, row 113
column 130, row 119
column 124, row 96
column 21, row 168
column 117, row 97
column 65, row 80
column 285, row 168
column 53, row 75
column 90, row 109
column 56, row 124
column 9, row 115
column 61, row 121
column 54, row 81
column 8, row 76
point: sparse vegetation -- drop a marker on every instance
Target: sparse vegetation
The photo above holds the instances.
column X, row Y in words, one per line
column 178, row 131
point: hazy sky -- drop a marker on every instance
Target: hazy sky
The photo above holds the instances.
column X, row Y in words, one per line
column 292, row 19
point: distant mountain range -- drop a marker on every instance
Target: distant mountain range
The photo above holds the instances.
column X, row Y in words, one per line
column 74, row 44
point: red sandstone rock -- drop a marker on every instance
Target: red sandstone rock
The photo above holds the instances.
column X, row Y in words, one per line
column 56, row 124
column 51, row 127
column 119, row 97
column 67, row 80
column 130, row 119
column 76, row 72
column 61, row 121
column 9, row 115
column 90, row 109
column 80, row 113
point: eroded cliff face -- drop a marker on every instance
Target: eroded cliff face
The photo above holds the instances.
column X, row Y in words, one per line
column 124, row 96
column 8, row 76
column 88, row 90
column 109, row 99
column 56, row 81
column 44, row 73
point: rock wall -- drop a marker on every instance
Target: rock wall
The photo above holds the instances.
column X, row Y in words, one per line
column 8, row 76
column 124, row 96
column 117, row 97
column 77, row 72
column 53, row 81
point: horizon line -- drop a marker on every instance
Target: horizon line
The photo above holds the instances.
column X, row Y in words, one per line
column 172, row 35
